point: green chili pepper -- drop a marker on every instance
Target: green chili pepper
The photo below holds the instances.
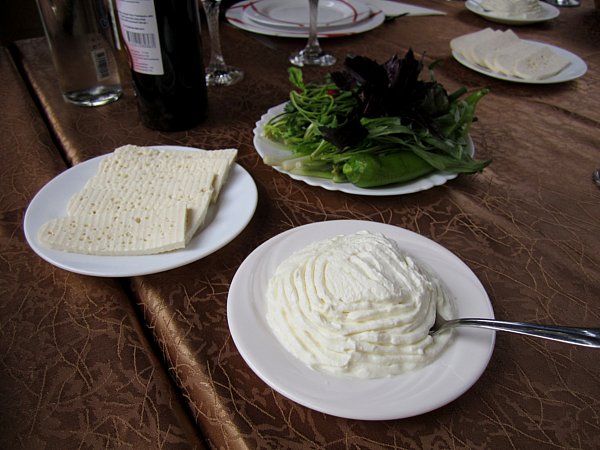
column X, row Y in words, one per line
column 368, row 170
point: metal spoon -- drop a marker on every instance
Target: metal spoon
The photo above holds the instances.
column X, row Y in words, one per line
column 588, row 337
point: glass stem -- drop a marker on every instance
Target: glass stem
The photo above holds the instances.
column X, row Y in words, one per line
column 211, row 8
column 313, row 42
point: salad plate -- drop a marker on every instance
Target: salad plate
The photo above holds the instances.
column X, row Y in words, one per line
column 401, row 396
column 266, row 147
column 548, row 12
column 237, row 15
column 225, row 220
column 294, row 14
column 574, row 70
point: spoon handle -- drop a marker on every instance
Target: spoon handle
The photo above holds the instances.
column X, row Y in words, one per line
column 588, row 337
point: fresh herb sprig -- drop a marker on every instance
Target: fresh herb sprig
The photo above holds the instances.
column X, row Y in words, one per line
column 375, row 124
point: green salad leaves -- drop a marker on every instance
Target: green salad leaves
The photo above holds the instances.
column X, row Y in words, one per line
column 375, row 124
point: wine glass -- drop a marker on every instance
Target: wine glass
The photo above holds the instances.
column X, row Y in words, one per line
column 217, row 72
column 312, row 54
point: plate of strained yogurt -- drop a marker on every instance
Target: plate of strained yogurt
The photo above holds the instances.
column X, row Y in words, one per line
column 332, row 370
column 513, row 12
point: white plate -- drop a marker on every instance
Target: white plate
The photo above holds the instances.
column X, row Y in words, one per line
column 549, row 12
column 236, row 15
column 406, row 395
column 294, row 14
column 576, row 69
column 226, row 219
column 266, row 147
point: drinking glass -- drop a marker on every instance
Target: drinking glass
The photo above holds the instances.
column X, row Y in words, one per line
column 312, row 54
column 81, row 39
column 217, row 72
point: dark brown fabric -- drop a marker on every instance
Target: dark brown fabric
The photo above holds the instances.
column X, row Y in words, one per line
column 76, row 370
column 528, row 227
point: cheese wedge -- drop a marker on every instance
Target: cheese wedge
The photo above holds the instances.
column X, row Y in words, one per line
column 129, row 233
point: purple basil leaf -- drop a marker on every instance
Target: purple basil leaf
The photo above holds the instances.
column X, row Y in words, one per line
column 349, row 134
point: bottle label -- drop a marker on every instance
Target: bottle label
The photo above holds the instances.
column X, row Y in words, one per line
column 140, row 32
column 101, row 65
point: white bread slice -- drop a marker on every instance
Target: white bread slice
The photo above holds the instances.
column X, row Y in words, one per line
column 128, row 233
column 541, row 64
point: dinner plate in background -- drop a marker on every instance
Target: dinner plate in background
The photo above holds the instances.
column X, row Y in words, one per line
column 548, row 12
column 265, row 147
column 237, row 16
column 225, row 220
column 294, row 13
column 396, row 397
column 576, row 69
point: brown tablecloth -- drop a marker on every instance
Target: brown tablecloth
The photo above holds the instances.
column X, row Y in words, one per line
column 528, row 227
column 76, row 367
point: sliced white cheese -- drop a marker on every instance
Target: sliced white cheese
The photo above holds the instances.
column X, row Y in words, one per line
column 495, row 44
column 134, row 151
column 504, row 61
column 503, row 52
column 141, row 201
column 127, row 233
column 159, row 167
column 464, row 44
column 541, row 64
column 92, row 201
column 175, row 182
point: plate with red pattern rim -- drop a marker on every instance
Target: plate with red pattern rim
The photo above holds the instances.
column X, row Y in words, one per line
column 236, row 15
column 294, row 14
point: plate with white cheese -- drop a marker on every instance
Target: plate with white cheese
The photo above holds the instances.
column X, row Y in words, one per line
column 512, row 12
column 403, row 395
column 117, row 216
column 503, row 55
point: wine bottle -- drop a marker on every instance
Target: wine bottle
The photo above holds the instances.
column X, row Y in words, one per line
column 164, row 48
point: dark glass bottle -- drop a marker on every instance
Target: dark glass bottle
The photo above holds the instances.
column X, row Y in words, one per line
column 164, row 47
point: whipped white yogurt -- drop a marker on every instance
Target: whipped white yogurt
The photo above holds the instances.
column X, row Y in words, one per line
column 357, row 306
column 517, row 9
